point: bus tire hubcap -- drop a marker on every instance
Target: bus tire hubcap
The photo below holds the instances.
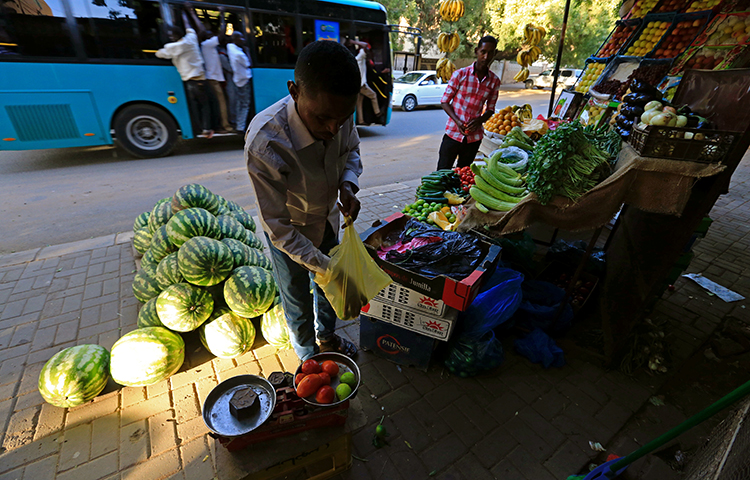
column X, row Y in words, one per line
column 146, row 132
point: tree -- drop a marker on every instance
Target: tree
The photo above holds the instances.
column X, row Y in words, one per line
column 589, row 22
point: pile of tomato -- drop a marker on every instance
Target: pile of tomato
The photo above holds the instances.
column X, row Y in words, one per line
column 466, row 176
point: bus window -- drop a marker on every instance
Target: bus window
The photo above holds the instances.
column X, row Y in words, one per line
column 212, row 20
column 123, row 29
column 275, row 39
column 35, row 28
column 310, row 34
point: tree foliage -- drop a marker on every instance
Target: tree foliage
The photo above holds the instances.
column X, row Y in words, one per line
column 589, row 22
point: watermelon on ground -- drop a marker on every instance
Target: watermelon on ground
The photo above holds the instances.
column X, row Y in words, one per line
column 141, row 221
column 222, row 201
column 226, row 334
column 142, row 240
column 204, row 261
column 194, row 195
column 234, row 206
column 168, row 272
column 165, row 200
column 146, row 356
column 244, row 218
column 75, row 375
column 244, row 255
column 229, row 227
column 147, row 316
column 250, row 291
column 274, row 328
column 161, row 245
column 223, row 210
column 160, row 215
column 192, row 222
column 144, row 286
column 148, row 264
column 183, row 307
column 253, row 241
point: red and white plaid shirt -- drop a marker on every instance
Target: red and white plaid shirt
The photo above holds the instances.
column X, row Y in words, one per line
column 468, row 95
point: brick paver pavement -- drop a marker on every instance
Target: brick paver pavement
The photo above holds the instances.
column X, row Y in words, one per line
column 520, row 421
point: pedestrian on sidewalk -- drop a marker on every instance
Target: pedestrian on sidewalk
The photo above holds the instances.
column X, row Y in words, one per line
column 469, row 100
column 186, row 57
column 242, row 76
column 302, row 156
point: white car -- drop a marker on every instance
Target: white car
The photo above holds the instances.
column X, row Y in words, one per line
column 417, row 88
column 567, row 78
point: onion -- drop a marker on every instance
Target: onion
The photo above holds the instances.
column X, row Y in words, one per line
column 648, row 115
column 661, row 119
column 681, row 121
column 670, row 110
column 653, row 104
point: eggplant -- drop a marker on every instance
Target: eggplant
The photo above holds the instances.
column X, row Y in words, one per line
column 625, row 134
column 684, row 110
column 639, row 99
column 704, row 124
column 624, row 123
column 631, row 111
column 638, row 86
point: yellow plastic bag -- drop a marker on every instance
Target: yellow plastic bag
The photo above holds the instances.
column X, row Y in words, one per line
column 352, row 278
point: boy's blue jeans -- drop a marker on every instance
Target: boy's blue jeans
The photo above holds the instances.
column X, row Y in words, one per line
column 307, row 312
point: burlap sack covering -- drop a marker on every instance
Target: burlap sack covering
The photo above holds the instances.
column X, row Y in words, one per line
column 654, row 185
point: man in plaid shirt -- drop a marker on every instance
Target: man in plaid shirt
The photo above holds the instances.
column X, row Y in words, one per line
column 470, row 90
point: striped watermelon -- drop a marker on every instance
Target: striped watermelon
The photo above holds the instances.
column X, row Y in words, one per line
column 222, row 210
column 222, row 201
column 183, row 307
column 146, row 356
column 168, row 272
column 250, row 291
column 161, row 245
column 142, row 240
column 74, row 376
column 160, row 215
column 141, row 221
column 204, row 261
column 253, row 241
column 226, row 334
column 244, row 218
column 165, row 200
column 194, row 195
column 144, row 286
column 274, row 328
column 147, row 316
column 192, row 222
column 244, row 255
column 149, row 264
column 229, row 227
column 234, row 206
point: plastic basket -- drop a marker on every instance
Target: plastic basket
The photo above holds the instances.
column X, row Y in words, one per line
column 710, row 146
column 621, row 24
column 589, row 61
column 612, row 68
column 687, row 17
column 654, row 17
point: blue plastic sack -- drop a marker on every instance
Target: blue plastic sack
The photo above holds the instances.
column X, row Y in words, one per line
column 468, row 357
column 538, row 347
column 538, row 309
column 496, row 303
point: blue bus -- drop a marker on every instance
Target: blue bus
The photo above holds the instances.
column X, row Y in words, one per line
column 79, row 73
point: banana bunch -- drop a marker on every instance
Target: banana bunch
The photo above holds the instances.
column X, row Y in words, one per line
column 452, row 10
column 528, row 55
column 448, row 42
column 533, row 34
column 522, row 75
column 523, row 113
column 445, row 69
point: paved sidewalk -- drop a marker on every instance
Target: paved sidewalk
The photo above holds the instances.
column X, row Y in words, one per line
column 520, row 421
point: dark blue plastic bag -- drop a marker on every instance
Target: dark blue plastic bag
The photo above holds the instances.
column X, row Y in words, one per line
column 541, row 300
column 538, row 347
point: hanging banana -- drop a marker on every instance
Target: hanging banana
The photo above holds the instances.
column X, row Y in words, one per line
column 452, row 10
column 533, row 34
column 448, row 42
column 522, row 75
column 445, row 69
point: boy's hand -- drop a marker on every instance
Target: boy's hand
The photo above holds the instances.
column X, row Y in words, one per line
column 349, row 203
column 473, row 124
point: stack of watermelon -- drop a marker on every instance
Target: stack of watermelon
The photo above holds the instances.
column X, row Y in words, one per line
column 202, row 268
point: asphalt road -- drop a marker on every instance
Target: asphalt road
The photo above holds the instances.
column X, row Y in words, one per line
column 58, row 196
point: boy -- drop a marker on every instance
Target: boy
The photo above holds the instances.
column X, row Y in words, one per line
column 302, row 155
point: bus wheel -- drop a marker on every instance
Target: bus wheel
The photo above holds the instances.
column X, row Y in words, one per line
column 145, row 131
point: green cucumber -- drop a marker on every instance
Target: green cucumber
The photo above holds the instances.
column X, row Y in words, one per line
column 481, row 207
column 494, row 192
column 488, row 201
column 498, row 183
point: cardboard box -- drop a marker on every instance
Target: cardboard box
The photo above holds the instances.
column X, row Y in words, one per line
column 439, row 328
column 398, row 294
column 395, row 344
column 454, row 293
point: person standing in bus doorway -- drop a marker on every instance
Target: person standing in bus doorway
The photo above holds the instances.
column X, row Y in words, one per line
column 302, row 156
column 242, row 77
column 469, row 91
column 214, row 73
column 364, row 90
column 186, row 56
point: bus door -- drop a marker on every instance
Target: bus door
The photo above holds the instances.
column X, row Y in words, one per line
column 275, row 46
column 379, row 75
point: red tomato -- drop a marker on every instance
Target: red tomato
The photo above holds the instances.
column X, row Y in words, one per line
column 325, row 377
column 299, row 378
column 325, row 394
column 310, row 366
column 309, row 385
column 330, row 367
